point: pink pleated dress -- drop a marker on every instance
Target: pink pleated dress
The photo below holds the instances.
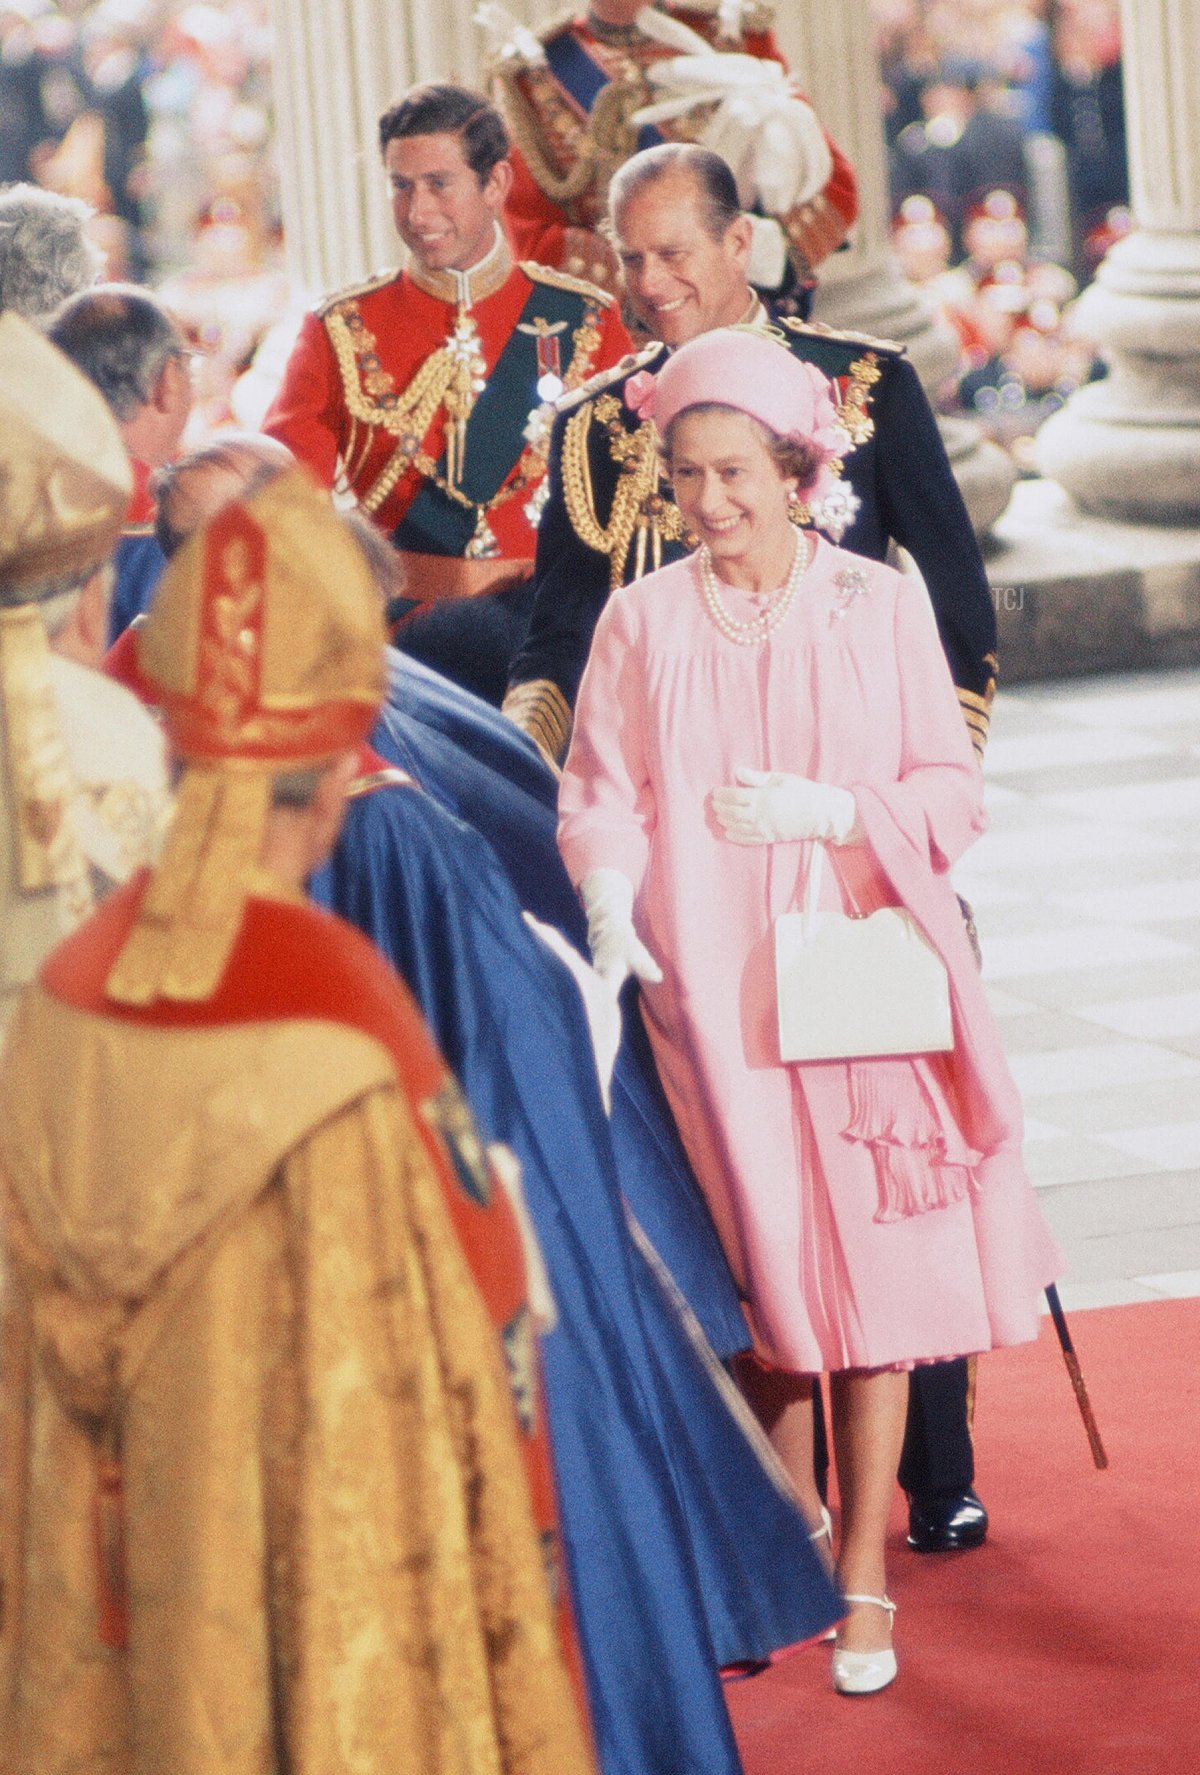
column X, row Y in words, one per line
column 874, row 1212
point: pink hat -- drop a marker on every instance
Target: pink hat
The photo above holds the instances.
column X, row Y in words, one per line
column 754, row 373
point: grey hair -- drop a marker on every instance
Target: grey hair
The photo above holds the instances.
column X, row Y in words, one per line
column 714, row 182
column 251, row 458
column 58, row 610
column 45, row 253
column 121, row 337
column 387, row 569
column 56, row 597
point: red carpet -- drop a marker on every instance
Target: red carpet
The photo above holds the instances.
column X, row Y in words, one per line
column 1069, row 1644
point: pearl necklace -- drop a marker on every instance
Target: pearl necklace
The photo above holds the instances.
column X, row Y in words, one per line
column 748, row 634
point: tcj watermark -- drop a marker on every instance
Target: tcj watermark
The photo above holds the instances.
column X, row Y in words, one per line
column 1008, row 598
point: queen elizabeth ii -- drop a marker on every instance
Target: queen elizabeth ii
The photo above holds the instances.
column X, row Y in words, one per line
column 767, row 699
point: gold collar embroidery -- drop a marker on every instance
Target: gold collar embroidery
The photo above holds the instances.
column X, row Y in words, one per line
column 462, row 289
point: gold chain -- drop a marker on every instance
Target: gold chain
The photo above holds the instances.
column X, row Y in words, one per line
column 440, row 380
column 414, row 409
column 637, row 481
column 525, row 122
column 408, row 419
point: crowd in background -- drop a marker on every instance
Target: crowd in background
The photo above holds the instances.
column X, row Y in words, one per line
column 1004, row 122
column 1006, row 134
column 158, row 115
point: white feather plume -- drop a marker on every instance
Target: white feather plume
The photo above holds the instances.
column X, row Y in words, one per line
column 671, row 31
column 729, row 14
column 767, row 134
column 507, row 38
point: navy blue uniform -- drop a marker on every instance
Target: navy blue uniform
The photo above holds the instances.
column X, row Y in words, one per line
column 591, row 538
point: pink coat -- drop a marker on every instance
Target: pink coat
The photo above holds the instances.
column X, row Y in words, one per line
column 874, row 1212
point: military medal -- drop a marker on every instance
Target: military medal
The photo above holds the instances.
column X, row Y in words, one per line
column 545, row 335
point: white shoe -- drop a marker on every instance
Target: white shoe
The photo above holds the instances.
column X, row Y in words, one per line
column 864, row 1673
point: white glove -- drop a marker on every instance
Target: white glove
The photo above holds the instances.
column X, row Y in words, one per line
column 765, row 132
column 599, row 1003
column 776, row 807
column 617, row 951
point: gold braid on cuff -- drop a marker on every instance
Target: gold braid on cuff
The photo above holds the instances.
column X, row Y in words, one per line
column 977, row 718
column 540, row 710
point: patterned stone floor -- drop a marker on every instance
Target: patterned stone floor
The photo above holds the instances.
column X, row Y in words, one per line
column 1086, row 891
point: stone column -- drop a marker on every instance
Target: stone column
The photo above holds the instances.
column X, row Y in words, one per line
column 1129, row 446
column 338, row 64
column 831, row 50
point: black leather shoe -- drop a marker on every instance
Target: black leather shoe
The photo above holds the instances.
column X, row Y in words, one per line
column 946, row 1525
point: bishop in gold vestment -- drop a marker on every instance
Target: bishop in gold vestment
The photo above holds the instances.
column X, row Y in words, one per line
column 83, row 781
column 274, row 1499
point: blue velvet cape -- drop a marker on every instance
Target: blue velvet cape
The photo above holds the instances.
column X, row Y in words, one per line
column 481, row 768
column 681, row 1553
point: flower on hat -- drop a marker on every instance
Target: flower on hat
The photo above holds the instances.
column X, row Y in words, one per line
column 639, row 393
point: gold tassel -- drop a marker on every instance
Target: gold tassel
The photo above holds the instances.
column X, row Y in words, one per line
column 192, row 909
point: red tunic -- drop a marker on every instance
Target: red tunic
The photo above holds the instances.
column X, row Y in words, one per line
column 364, row 348
column 139, row 514
column 554, row 133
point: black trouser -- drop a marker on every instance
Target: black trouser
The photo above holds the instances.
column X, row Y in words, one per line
column 472, row 641
column 938, row 1459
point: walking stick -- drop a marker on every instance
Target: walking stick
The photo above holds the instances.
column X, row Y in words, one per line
column 1076, row 1374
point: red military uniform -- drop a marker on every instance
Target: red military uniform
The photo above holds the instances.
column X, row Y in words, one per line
column 428, row 395
column 570, row 106
column 390, row 393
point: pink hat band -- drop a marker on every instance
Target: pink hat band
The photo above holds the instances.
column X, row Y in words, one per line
column 752, row 373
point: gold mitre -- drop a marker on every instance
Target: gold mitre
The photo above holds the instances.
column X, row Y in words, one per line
column 64, row 489
column 65, row 479
column 264, row 641
column 264, row 647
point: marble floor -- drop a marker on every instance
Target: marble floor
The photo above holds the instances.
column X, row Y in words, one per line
column 1086, row 890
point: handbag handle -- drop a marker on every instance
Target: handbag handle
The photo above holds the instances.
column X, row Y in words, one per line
column 812, row 891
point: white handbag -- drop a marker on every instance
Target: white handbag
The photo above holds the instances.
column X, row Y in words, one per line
column 852, row 987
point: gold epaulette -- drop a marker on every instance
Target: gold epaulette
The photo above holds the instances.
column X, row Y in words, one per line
column 562, row 280
column 633, row 360
column 819, row 330
column 351, row 290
